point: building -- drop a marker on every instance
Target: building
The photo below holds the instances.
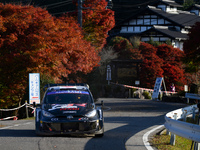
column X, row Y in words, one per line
column 161, row 22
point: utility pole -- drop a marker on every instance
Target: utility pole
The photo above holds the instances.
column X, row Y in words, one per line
column 80, row 2
column 80, row 12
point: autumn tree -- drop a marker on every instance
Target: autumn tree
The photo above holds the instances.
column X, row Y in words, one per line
column 124, row 48
column 172, row 65
column 34, row 41
column 97, row 20
column 151, row 68
column 191, row 48
column 162, row 61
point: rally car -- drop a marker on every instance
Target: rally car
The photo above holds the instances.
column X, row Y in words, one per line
column 69, row 109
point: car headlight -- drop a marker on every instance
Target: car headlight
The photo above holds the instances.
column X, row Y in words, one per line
column 91, row 113
column 46, row 114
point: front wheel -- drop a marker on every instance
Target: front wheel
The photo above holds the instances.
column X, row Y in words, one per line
column 100, row 133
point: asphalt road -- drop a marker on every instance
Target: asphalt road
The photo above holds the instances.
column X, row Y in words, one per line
column 126, row 121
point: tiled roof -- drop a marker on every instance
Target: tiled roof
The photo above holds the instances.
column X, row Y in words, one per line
column 169, row 2
column 167, row 32
column 182, row 18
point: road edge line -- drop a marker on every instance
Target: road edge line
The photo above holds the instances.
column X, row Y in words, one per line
column 146, row 135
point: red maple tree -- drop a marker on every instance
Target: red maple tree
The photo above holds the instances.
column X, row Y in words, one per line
column 162, row 61
column 34, row 41
column 151, row 68
column 97, row 20
column 172, row 66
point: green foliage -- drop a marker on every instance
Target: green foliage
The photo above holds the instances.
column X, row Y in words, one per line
column 187, row 4
column 135, row 41
column 124, row 48
column 154, row 43
column 146, row 95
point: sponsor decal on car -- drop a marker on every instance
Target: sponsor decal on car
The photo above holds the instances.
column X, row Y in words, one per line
column 68, row 92
column 69, row 112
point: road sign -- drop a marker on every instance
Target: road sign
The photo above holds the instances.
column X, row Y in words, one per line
column 157, row 87
column 34, row 88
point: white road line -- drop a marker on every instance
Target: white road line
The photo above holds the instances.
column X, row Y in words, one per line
column 106, row 108
column 16, row 125
column 145, row 137
column 7, row 127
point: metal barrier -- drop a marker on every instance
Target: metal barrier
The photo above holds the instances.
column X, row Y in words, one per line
column 183, row 129
column 191, row 96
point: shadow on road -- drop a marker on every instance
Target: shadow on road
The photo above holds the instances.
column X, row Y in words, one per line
column 130, row 118
column 17, row 133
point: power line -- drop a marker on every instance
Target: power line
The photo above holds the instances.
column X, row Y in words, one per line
column 49, row 5
column 59, row 5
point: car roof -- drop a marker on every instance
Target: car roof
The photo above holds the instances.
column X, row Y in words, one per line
column 68, row 88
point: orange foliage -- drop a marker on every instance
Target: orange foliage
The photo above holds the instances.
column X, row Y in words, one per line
column 34, row 41
column 97, row 21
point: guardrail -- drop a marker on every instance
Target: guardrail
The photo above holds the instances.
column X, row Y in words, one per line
column 181, row 128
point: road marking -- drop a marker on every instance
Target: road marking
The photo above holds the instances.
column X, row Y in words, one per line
column 106, row 108
column 145, row 137
column 16, row 125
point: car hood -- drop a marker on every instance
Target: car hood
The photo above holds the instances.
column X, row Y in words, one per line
column 67, row 109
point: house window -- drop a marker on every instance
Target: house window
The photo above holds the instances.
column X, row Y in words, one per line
column 140, row 21
column 137, row 29
column 130, row 29
column 143, row 29
column 146, row 21
column 123, row 29
column 164, row 39
column 161, row 21
column 153, row 21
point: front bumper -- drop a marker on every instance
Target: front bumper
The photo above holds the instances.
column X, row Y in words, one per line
column 74, row 127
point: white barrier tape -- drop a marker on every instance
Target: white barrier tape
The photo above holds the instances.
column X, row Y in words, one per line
column 13, row 108
column 15, row 118
column 134, row 87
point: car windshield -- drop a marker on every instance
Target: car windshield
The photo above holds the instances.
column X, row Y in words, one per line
column 67, row 97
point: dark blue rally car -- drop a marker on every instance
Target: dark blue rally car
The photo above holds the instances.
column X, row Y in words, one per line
column 69, row 109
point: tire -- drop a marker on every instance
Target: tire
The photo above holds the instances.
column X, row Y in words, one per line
column 100, row 133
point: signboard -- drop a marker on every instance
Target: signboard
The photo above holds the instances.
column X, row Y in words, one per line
column 157, row 87
column 108, row 77
column 34, row 88
column 137, row 82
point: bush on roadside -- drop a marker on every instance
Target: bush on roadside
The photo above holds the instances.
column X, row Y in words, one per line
column 146, row 95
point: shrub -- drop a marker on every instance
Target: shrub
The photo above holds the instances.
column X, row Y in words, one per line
column 146, row 95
